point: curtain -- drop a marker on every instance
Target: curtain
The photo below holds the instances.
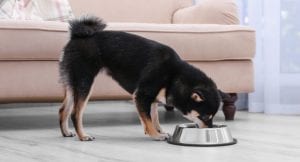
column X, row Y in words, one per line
column 277, row 61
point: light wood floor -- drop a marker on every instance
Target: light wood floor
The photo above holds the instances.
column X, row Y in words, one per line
column 31, row 133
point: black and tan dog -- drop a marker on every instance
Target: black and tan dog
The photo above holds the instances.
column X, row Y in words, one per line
column 148, row 70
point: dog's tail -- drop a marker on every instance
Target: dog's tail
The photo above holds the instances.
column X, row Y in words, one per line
column 86, row 26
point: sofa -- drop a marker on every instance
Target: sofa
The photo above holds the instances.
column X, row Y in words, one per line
column 206, row 34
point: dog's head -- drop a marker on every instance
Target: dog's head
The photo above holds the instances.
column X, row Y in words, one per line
column 198, row 98
column 202, row 106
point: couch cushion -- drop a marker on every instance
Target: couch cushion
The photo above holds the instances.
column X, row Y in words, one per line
column 29, row 40
column 32, row 40
column 37, row 81
column 31, row 81
column 194, row 42
column 209, row 12
column 147, row 11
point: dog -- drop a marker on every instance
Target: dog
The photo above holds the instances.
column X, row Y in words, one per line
column 152, row 72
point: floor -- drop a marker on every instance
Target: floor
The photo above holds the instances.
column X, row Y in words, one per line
column 29, row 132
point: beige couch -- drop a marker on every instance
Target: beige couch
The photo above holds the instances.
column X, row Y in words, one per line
column 207, row 35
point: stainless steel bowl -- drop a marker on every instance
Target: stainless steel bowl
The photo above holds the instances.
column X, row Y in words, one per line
column 190, row 135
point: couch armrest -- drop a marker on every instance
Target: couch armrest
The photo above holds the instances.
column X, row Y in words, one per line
column 208, row 12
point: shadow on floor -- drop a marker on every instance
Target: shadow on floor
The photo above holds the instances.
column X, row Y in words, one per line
column 50, row 120
column 44, row 116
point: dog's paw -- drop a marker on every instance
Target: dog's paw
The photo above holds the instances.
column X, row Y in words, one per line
column 161, row 137
column 87, row 138
column 69, row 134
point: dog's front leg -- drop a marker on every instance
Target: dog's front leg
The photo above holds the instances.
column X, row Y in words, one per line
column 144, row 109
column 155, row 117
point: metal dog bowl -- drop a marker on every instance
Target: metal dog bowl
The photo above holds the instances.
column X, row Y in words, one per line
column 190, row 135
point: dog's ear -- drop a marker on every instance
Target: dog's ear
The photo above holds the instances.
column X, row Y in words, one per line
column 223, row 95
column 197, row 96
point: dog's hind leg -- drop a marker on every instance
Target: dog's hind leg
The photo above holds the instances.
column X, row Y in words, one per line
column 64, row 113
column 81, row 96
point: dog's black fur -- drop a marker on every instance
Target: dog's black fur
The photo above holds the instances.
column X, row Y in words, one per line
column 141, row 66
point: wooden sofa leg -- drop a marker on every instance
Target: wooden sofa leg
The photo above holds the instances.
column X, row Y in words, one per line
column 229, row 107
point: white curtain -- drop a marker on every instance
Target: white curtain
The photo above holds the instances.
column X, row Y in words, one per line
column 277, row 61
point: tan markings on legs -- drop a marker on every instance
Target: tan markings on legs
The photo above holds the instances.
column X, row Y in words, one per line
column 78, row 110
column 155, row 117
column 64, row 114
column 149, row 127
column 141, row 119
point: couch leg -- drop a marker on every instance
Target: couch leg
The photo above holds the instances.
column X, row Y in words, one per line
column 229, row 107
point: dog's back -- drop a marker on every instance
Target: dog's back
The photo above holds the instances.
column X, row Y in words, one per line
column 125, row 56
